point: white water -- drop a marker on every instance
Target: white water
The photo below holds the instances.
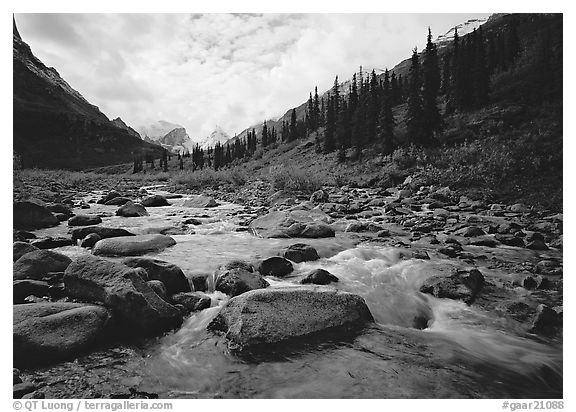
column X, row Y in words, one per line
column 190, row 362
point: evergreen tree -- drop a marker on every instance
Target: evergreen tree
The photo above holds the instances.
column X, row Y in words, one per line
column 316, row 109
column 165, row 160
column 329, row 126
column 386, row 119
column 181, row 161
column 414, row 116
column 264, row 135
column 481, row 75
column 342, row 131
column 432, row 120
column 293, row 126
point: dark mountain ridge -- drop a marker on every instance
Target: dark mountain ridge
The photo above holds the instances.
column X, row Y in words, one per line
column 56, row 127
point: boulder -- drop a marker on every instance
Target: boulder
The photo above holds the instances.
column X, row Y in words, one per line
column 319, row 277
column 21, row 289
column 124, row 291
column 462, row 285
column 132, row 245
column 111, row 195
column 60, row 208
column 200, row 202
column 84, row 220
column 90, row 240
column 545, row 320
column 21, row 248
column 300, row 252
column 519, row 208
column 21, row 389
column 509, row 240
column 155, row 201
column 30, row 214
column 46, row 332
column 158, row 287
column 537, row 244
column 51, row 242
column 294, row 223
column 169, row 274
column 238, row 277
column 319, row 196
column 275, row 266
column 131, row 209
column 268, row 316
column 192, row 301
column 200, row 282
column 118, row 201
column 470, row 231
column 103, row 232
column 37, row 264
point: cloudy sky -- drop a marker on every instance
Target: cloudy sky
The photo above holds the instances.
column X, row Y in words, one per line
column 231, row 70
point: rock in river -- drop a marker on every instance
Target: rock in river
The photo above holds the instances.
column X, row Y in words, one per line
column 319, row 277
column 132, row 245
column 462, row 285
column 200, row 202
column 84, row 220
column 275, row 266
column 122, row 290
column 295, row 223
column 45, row 332
column 267, row 316
column 155, row 201
column 33, row 215
column 131, row 209
column 238, row 277
column 37, row 264
column 21, row 248
column 300, row 252
column 169, row 274
column 103, row 232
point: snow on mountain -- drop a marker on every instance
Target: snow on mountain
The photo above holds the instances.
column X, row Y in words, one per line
column 463, row 28
column 158, row 130
column 217, row 136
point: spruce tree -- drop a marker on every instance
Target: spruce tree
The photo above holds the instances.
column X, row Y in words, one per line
column 480, row 72
column 386, row 119
column 432, row 120
column 293, row 126
column 414, row 117
column 264, row 135
column 329, row 126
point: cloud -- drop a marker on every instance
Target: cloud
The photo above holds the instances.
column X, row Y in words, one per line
column 203, row 70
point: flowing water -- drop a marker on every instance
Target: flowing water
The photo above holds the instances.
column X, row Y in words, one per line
column 456, row 351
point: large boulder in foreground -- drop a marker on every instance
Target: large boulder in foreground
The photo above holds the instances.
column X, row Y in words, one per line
column 19, row 249
column 84, row 220
column 267, row 316
column 300, row 252
column 122, row 290
column 103, row 232
column 132, row 245
column 155, row 201
column 46, row 332
column 169, row 274
column 200, row 201
column 293, row 223
column 461, row 285
column 33, row 215
column 37, row 264
column 237, row 277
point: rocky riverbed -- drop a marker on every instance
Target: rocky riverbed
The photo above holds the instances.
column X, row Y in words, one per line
column 413, row 292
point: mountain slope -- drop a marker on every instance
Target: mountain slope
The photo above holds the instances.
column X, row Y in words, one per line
column 217, row 136
column 56, row 127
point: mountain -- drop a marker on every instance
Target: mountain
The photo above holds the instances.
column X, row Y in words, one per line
column 171, row 136
column 56, row 127
column 217, row 136
column 121, row 124
column 463, row 29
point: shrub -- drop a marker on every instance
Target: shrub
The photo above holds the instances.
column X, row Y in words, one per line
column 291, row 179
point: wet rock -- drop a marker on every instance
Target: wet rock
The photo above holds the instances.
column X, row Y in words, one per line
column 37, row 264
column 90, row 240
column 319, row 196
column 20, row 248
column 319, row 277
column 509, row 240
column 32, row 214
column 124, row 291
column 192, row 221
column 155, row 201
column 22, row 388
column 131, row 209
column 420, row 254
column 111, row 195
column 60, row 208
column 509, row 227
column 548, row 268
column 295, row 223
column 118, row 201
column 16, row 376
column 532, row 282
column 22, row 236
column 132, row 245
column 519, row 208
column 383, row 233
column 103, row 232
column 192, row 301
column 200, row 202
column 470, row 231
column 21, row 289
column 404, row 193
column 451, row 250
column 268, row 316
column 300, row 252
column 275, row 266
column 533, row 236
column 169, row 274
column 200, row 283
column 84, row 220
column 61, row 217
column 487, row 241
column 158, row 287
column 238, row 277
column 51, row 242
column 537, row 245
column 462, row 285
column 46, row 332
column 545, row 321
